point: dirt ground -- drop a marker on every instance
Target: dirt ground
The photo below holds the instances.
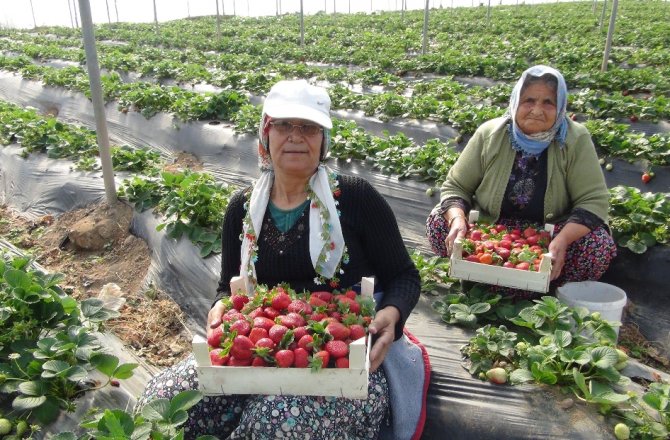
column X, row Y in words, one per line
column 113, row 267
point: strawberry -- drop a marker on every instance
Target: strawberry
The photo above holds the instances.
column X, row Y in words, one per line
column 497, row 375
column 323, row 295
column 241, row 326
column 342, row 362
column 217, row 357
column 349, row 304
column 300, row 306
column 257, row 333
column 281, row 300
column 235, row 362
column 287, row 321
column 284, row 358
column 357, row 331
column 320, row 360
column 338, row 331
column 239, row 301
column 265, row 343
column 263, row 322
column 214, row 338
column 336, row 316
column 633, row 118
column 299, row 332
column 232, row 315
column 271, row 312
column 241, row 348
column 301, row 358
column 277, row 332
column 646, row 177
column 315, row 301
column 317, row 316
column 306, row 342
column 259, row 362
column 351, row 294
column 337, row 349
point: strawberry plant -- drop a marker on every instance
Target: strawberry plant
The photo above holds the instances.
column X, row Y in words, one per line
column 47, row 343
column 433, row 270
column 639, row 220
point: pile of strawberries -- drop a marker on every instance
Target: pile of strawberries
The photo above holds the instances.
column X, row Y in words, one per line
column 280, row 328
column 496, row 245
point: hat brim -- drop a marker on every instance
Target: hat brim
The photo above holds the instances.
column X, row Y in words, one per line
column 298, row 111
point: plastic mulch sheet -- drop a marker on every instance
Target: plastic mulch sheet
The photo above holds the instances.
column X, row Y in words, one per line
column 459, row 406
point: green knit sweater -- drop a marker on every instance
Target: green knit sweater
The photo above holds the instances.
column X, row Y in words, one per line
column 574, row 180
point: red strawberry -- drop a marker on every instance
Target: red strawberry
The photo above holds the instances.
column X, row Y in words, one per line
column 257, row 333
column 301, row 358
column 281, row 300
column 633, row 118
column 271, row 312
column 299, row 332
column 266, row 343
column 300, row 306
column 323, row 295
column 320, row 360
column 316, row 316
column 263, row 322
column 287, row 321
column 336, row 316
column 646, row 177
column 300, row 321
column 337, row 349
column 342, row 362
column 357, row 331
column 256, row 313
column 277, row 332
column 241, row 348
column 306, row 342
column 354, row 307
column 315, row 301
column 217, row 357
column 232, row 315
column 214, row 339
column 241, row 326
column 235, row 362
column 284, row 358
column 338, row 330
column 351, row 294
column 239, row 301
column 259, row 362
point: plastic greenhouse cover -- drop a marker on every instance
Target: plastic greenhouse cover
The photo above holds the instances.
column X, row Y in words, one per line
column 459, row 406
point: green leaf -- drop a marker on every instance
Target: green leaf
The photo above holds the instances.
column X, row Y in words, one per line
column 480, row 308
column 64, row 436
column 54, row 368
column 520, row 375
column 185, row 400
column 562, row 338
column 179, row 418
column 17, row 278
column 124, row 371
column 33, row 388
column 604, row 357
column 157, row 410
column 25, row 403
column 104, row 363
column 602, row 393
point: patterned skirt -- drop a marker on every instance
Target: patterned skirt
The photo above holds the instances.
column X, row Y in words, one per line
column 586, row 259
column 273, row 417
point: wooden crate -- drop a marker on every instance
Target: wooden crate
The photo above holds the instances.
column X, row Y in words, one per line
column 498, row 275
column 349, row 382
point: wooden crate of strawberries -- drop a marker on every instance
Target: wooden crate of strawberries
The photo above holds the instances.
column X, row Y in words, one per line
column 492, row 254
column 279, row 342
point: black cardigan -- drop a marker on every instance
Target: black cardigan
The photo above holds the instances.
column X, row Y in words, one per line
column 371, row 234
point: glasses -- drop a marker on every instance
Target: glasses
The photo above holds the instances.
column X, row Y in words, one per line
column 286, row 127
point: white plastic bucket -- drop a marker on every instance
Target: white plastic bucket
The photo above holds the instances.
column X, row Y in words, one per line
column 600, row 297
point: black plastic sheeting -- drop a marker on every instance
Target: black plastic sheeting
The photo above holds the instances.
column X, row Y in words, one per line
column 459, row 406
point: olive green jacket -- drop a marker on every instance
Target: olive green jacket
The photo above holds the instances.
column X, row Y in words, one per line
column 574, row 180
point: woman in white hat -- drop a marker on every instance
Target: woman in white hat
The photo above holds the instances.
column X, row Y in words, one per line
column 302, row 224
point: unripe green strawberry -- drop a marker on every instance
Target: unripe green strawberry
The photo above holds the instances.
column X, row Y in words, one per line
column 21, row 427
column 5, row 426
column 621, row 431
column 497, row 375
column 623, row 357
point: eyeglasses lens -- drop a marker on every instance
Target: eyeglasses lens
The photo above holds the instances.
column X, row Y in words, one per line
column 285, row 127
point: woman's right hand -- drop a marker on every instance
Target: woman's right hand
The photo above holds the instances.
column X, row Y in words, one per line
column 458, row 229
column 214, row 317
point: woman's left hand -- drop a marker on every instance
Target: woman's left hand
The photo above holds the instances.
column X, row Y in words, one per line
column 558, row 248
column 383, row 327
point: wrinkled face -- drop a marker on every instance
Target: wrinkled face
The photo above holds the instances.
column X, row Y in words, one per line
column 292, row 150
column 537, row 108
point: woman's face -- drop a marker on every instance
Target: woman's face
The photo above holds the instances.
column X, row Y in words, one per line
column 537, row 108
column 291, row 150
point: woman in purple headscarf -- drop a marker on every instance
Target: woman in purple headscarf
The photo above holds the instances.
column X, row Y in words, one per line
column 532, row 165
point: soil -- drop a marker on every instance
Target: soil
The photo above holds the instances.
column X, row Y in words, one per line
column 99, row 257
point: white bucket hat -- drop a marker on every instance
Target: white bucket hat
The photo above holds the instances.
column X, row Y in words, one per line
column 299, row 99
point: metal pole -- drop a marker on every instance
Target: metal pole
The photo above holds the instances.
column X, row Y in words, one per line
column 334, row 7
column 155, row 17
column 610, row 32
column 350, row 6
column 188, row 8
column 302, row 27
column 248, row 15
column 371, row 9
column 109, row 17
column 324, row 7
column 116, row 8
column 33, row 11
column 69, row 6
column 602, row 17
column 277, row 8
column 223, row 7
column 594, row 5
column 98, row 103
column 488, row 12
column 76, row 17
column 234, row 8
column 218, row 23
column 425, row 29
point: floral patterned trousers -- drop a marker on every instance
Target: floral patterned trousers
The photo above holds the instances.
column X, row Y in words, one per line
column 273, row 417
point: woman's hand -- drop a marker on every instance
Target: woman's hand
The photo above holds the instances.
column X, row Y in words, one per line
column 458, row 227
column 383, row 327
column 558, row 247
column 214, row 317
